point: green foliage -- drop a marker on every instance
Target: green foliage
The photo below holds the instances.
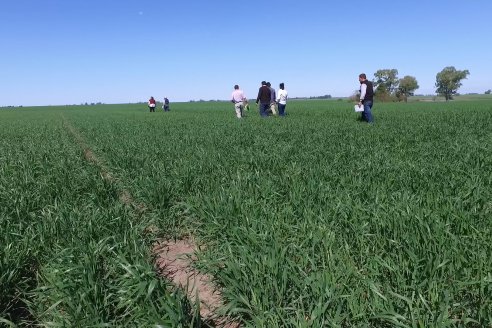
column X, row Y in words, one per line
column 314, row 220
column 406, row 87
column 488, row 92
column 381, row 95
column 448, row 81
column 386, row 81
column 70, row 253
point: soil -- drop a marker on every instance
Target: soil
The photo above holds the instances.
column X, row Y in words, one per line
column 175, row 261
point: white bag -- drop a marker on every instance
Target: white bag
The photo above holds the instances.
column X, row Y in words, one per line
column 359, row 109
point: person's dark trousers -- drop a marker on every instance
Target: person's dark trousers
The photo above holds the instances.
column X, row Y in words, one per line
column 263, row 109
column 152, row 109
column 366, row 114
column 281, row 110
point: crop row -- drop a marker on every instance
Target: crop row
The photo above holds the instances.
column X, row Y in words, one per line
column 70, row 253
column 317, row 219
column 309, row 221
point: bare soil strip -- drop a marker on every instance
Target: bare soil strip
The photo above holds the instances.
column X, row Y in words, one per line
column 174, row 259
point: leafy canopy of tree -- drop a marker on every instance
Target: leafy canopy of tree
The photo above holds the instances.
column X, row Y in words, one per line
column 386, row 80
column 406, row 87
column 448, row 81
column 388, row 87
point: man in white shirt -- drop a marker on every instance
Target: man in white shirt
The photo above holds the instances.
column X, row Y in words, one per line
column 282, row 99
column 238, row 99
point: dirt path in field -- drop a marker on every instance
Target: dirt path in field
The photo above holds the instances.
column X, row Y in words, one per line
column 174, row 259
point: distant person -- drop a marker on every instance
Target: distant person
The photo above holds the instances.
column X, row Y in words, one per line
column 152, row 104
column 165, row 105
column 273, row 104
column 238, row 101
column 366, row 98
column 264, row 98
column 282, row 99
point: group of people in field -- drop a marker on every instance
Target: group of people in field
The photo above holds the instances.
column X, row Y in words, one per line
column 152, row 104
column 269, row 101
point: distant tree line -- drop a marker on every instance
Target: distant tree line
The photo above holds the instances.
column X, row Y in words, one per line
column 10, row 106
column 388, row 87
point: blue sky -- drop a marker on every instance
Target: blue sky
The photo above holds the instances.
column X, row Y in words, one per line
column 57, row 52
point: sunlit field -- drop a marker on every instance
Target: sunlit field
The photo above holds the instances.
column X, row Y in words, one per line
column 312, row 220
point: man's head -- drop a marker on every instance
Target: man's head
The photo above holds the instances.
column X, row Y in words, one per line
column 281, row 86
column 236, row 87
column 268, row 84
column 362, row 77
column 263, row 83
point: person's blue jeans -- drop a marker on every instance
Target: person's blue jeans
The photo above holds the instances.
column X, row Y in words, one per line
column 263, row 109
column 366, row 114
column 281, row 109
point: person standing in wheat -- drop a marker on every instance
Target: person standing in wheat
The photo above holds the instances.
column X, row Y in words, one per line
column 165, row 105
column 264, row 99
column 366, row 98
column 238, row 101
column 281, row 99
column 151, row 104
column 273, row 104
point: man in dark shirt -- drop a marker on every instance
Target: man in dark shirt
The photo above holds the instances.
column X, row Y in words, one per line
column 166, row 104
column 366, row 98
column 264, row 98
column 273, row 96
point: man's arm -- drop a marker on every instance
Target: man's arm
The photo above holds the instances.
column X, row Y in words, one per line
column 363, row 89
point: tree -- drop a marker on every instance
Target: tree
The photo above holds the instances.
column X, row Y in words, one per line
column 406, row 87
column 448, row 81
column 488, row 92
column 386, row 80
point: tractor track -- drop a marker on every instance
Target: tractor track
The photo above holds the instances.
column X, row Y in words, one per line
column 174, row 258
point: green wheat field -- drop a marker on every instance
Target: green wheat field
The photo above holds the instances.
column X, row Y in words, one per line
column 313, row 220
